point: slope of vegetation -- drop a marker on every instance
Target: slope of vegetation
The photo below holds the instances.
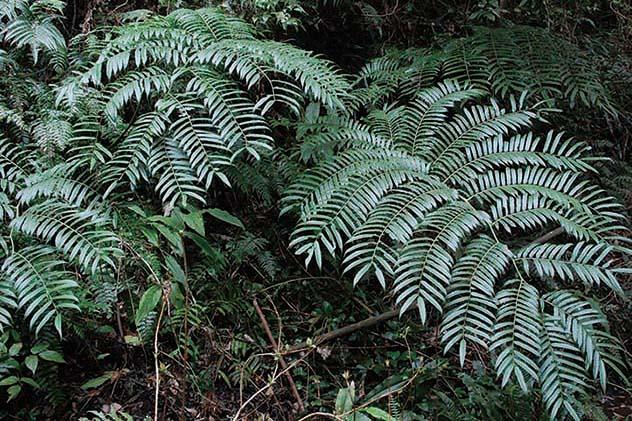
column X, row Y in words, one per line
column 204, row 219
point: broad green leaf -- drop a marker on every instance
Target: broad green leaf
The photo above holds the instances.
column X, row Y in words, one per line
column 8, row 381
column 175, row 269
column 31, row 362
column 53, row 356
column 224, row 216
column 15, row 349
column 13, row 392
column 148, row 302
column 97, row 381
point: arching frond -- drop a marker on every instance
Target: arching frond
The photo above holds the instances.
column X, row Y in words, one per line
column 519, row 150
column 588, row 263
column 392, row 222
column 424, row 266
column 130, row 161
column 8, row 302
column 80, row 234
column 471, row 171
column 176, row 180
column 347, row 207
column 15, row 165
column 428, row 109
column 44, row 289
column 516, row 333
column 58, row 182
column 471, row 305
column 586, row 325
column 561, row 369
column 37, row 32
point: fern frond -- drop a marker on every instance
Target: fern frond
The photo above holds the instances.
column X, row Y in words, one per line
column 52, row 132
column 177, row 181
column 533, row 212
column 588, row 263
column 393, row 221
column 131, row 158
column 471, row 305
column 428, row 109
column 80, row 234
column 347, row 207
column 58, row 182
column 15, row 165
column 205, row 150
column 151, row 81
column 516, row 333
column 36, row 32
column 331, row 133
column 561, row 369
column 318, row 184
column 477, row 170
column 254, row 60
column 519, row 150
column 424, row 265
column 587, row 326
column 43, row 287
column 8, row 302
column 231, row 112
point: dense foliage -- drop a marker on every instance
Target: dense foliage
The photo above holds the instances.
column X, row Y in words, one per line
column 161, row 167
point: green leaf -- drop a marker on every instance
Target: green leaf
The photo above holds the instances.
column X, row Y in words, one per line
column 202, row 243
column 148, row 302
column 97, row 381
column 378, row 413
column 8, row 381
column 31, row 362
column 173, row 237
column 151, row 235
column 224, row 216
column 137, row 210
column 57, row 323
column 13, row 392
column 345, row 398
column 175, row 269
column 30, row 382
column 15, row 349
column 195, row 221
column 39, row 348
column 53, row 356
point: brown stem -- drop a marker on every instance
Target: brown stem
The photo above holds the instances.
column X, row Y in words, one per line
column 548, row 236
column 275, row 346
column 346, row 330
column 156, row 361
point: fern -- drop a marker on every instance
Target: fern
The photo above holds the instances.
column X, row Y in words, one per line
column 169, row 102
column 79, row 234
column 503, row 61
column 43, row 288
column 191, row 71
column 33, row 24
column 446, row 209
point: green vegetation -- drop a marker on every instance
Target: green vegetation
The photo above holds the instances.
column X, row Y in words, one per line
column 204, row 219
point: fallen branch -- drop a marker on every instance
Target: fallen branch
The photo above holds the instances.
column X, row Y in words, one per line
column 345, row 330
column 275, row 346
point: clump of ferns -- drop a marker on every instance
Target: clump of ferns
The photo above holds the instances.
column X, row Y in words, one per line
column 447, row 199
column 182, row 98
column 504, row 61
